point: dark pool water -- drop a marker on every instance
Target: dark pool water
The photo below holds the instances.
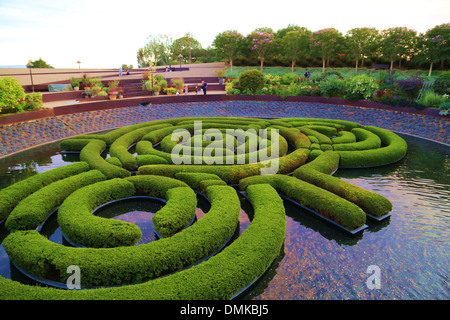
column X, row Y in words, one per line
column 410, row 250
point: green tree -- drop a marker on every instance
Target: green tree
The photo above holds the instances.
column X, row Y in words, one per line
column 360, row 43
column 433, row 46
column 397, row 43
column 157, row 50
column 227, row 45
column 186, row 45
column 262, row 41
column 326, row 44
column 39, row 64
column 294, row 44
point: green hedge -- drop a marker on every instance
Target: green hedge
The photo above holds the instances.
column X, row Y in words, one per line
column 34, row 209
column 177, row 213
column 81, row 227
column 325, row 130
column 135, row 264
column 91, row 154
column 317, row 173
column 348, row 125
column 393, row 149
column 146, row 159
column 323, row 139
column 329, row 205
column 220, row 277
column 74, row 144
column 13, row 194
column 119, row 148
column 193, row 179
column 365, row 140
column 344, row 137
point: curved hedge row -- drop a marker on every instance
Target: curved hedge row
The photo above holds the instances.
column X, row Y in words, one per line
column 13, row 194
column 119, row 148
column 394, row 149
column 91, row 154
column 317, row 173
column 81, row 227
column 249, row 257
column 327, row 204
column 34, row 209
column 365, row 140
column 135, row 264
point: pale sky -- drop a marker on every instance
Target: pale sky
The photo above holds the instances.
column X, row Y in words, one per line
column 108, row 33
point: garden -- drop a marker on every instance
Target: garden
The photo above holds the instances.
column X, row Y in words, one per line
column 204, row 258
column 398, row 88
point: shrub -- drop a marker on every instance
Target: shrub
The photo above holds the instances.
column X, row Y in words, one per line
column 442, row 84
column 334, row 87
column 13, row 194
column 33, row 101
column 394, row 149
column 252, row 80
column 327, row 204
column 366, row 140
column 133, row 264
column 170, row 90
column 317, row 173
column 362, row 86
column 91, row 154
column 34, row 209
column 431, row 99
column 11, row 95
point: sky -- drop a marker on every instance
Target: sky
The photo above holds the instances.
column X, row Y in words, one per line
column 108, row 33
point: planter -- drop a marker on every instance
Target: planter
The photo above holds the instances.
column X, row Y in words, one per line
column 76, row 88
column 112, row 97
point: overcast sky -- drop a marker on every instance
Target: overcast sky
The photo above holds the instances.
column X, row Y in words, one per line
column 108, row 33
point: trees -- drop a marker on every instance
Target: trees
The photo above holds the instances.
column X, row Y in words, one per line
column 326, row 43
column 227, row 45
column 360, row 42
column 262, row 42
column 398, row 43
column 157, row 49
column 186, row 45
column 433, row 46
column 39, row 64
column 294, row 44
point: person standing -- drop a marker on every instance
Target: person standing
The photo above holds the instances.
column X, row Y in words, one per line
column 204, row 86
column 120, row 71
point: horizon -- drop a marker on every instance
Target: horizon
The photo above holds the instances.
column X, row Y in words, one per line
column 108, row 34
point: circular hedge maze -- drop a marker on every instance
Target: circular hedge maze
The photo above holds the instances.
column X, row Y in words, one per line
column 191, row 259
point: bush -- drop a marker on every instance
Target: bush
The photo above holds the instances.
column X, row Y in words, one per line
column 91, row 154
column 366, row 140
column 252, row 80
column 442, row 84
column 132, row 264
column 394, row 149
column 33, row 101
column 361, row 87
column 11, row 95
column 326, row 203
column 34, row 209
column 317, row 173
column 13, row 194
column 334, row 87
column 431, row 99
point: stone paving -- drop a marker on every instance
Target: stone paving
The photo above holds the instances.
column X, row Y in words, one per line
column 17, row 137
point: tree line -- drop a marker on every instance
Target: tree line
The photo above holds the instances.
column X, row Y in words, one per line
column 299, row 46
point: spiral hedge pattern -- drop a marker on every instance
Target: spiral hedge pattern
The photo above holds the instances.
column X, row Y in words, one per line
column 195, row 261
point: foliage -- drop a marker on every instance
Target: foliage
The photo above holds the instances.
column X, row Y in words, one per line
column 294, row 44
column 444, row 108
column 332, row 88
column 326, row 43
column 442, row 83
column 261, row 42
column 39, row 64
column 11, row 95
column 361, row 86
column 252, row 80
column 431, row 99
column 33, row 101
column 227, row 44
column 397, row 43
column 410, row 87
